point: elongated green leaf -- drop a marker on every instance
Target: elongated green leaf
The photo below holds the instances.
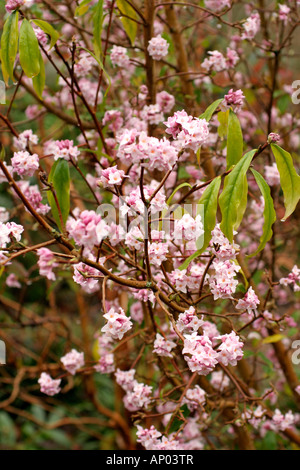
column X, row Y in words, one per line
column 269, row 211
column 289, row 179
column 129, row 25
column 82, row 8
column 60, row 179
column 208, row 113
column 48, row 29
column 209, row 202
column 223, row 120
column 97, row 29
column 9, row 45
column 234, row 140
column 29, row 50
column 38, row 81
column 243, row 204
column 230, row 198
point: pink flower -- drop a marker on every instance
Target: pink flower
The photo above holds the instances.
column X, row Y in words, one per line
column 117, row 323
column 112, row 176
column 190, row 132
column 194, row 398
column 12, row 5
column 217, row 5
column 188, row 321
column 25, row 138
column 234, row 99
column 137, row 398
column 105, row 364
column 251, row 26
column 162, row 346
column 46, row 263
column 48, row 385
column 12, row 281
column 249, row 302
column 125, row 378
column 203, row 358
column 272, row 175
column 158, row 47
column 81, row 273
column 73, row 361
column 230, row 351
column 66, row 149
column 165, row 101
column 118, row 56
column 25, row 164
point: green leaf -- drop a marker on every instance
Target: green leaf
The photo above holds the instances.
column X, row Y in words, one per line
column 9, row 45
column 223, row 120
column 48, row 29
column 289, row 179
column 242, row 205
column 230, row 198
column 269, row 211
column 208, row 113
column 60, row 179
column 234, row 140
column 129, row 25
column 82, row 8
column 39, row 80
column 97, row 28
column 209, row 201
column 29, row 50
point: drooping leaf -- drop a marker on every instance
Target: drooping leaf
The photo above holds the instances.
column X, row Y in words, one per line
column 130, row 26
column 234, row 140
column 182, row 185
column 38, row 81
column 48, row 29
column 29, row 50
column 209, row 203
column 9, row 45
column 289, row 179
column 97, row 27
column 230, row 198
column 208, row 113
column 269, row 211
column 60, row 179
column 273, row 338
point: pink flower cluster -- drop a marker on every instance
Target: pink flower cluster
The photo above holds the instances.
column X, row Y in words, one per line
column 48, row 385
column 118, row 56
column 188, row 228
column 65, row 149
column 12, row 5
column 194, row 398
column 8, row 230
column 158, row 47
column 220, row 245
column 32, row 193
column 88, row 229
column 217, row 62
column 188, row 321
column 272, row 175
column 222, row 283
column 217, row 5
column 230, row 351
column 112, row 176
column 292, row 279
column 73, row 361
column 233, row 99
column 189, row 132
column 138, row 395
column 117, row 323
column 162, row 346
column 25, row 164
column 251, row 26
column 203, row 358
column 24, row 139
column 47, row 263
column 161, row 154
column 249, row 302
